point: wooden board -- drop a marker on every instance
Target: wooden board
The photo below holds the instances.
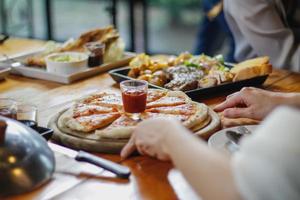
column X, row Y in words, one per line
column 84, row 142
column 90, row 142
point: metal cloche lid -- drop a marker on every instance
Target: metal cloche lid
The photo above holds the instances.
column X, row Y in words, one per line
column 26, row 161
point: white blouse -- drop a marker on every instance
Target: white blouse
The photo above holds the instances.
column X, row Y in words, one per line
column 268, row 163
column 262, row 28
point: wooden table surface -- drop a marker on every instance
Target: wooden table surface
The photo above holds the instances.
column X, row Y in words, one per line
column 149, row 176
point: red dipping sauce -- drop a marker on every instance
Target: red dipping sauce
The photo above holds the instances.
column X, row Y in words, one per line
column 134, row 101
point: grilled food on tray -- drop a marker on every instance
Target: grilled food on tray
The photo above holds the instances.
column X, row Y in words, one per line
column 114, row 46
column 188, row 72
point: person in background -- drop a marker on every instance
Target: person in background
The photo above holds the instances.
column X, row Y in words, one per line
column 266, row 28
column 213, row 31
column 265, row 167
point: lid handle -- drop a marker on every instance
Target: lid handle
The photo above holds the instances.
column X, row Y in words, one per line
column 3, row 126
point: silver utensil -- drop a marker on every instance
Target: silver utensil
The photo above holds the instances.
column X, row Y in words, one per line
column 232, row 147
column 120, row 170
column 11, row 61
column 244, row 130
column 234, row 136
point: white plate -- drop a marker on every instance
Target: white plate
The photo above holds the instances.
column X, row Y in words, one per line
column 4, row 73
column 220, row 141
column 38, row 73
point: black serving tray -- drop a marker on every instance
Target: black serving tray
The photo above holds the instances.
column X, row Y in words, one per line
column 120, row 74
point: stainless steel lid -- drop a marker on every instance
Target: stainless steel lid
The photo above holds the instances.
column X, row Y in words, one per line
column 26, row 161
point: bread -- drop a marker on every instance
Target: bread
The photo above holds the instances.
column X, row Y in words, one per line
column 251, row 68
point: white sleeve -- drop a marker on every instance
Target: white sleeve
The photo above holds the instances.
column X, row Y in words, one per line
column 261, row 25
column 268, row 163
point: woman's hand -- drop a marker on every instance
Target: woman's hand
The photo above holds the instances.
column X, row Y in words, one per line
column 150, row 138
column 250, row 103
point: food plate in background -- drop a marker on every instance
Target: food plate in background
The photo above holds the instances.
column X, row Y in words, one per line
column 38, row 73
column 220, row 141
column 121, row 74
column 4, row 73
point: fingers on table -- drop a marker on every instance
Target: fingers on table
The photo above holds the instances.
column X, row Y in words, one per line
column 231, row 101
column 129, row 148
column 237, row 113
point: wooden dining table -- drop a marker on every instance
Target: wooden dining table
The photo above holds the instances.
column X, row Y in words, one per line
column 149, row 176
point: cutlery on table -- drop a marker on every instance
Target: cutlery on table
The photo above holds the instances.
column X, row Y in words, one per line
column 244, row 130
column 234, row 138
column 120, row 170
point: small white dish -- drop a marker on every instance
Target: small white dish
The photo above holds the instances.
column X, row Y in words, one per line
column 66, row 63
column 220, row 141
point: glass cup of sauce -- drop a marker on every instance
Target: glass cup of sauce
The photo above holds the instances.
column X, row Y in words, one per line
column 134, row 97
column 8, row 108
column 97, row 51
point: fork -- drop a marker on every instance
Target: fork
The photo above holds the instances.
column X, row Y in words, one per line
column 244, row 130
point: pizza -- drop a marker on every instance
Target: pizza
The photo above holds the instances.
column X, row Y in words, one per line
column 102, row 113
column 122, row 128
column 183, row 109
column 82, row 109
column 172, row 98
column 154, row 95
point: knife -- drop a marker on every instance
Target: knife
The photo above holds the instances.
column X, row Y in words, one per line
column 120, row 170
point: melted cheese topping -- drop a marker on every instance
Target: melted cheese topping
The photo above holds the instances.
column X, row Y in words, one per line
column 154, row 95
column 124, row 120
column 163, row 115
column 93, row 122
column 184, row 109
column 167, row 101
column 86, row 109
column 110, row 100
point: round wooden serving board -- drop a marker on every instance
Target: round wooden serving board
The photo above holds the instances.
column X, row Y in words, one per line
column 87, row 142
column 90, row 142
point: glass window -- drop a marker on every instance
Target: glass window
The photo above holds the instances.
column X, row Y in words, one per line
column 173, row 25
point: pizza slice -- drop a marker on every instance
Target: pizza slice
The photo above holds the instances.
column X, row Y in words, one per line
column 189, row 118
column 122, row 128
column 91, row 122
column 149, row 115
column 183, row 109
column 108, row 100
column 81, row 109
column 154, row 95
column 173, row 98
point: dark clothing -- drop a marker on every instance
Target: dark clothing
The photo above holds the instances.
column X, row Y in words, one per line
column 213, row 33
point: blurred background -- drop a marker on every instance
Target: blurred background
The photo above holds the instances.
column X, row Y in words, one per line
column 152, row 26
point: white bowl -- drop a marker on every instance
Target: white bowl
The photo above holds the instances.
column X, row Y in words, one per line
column 66, row 62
